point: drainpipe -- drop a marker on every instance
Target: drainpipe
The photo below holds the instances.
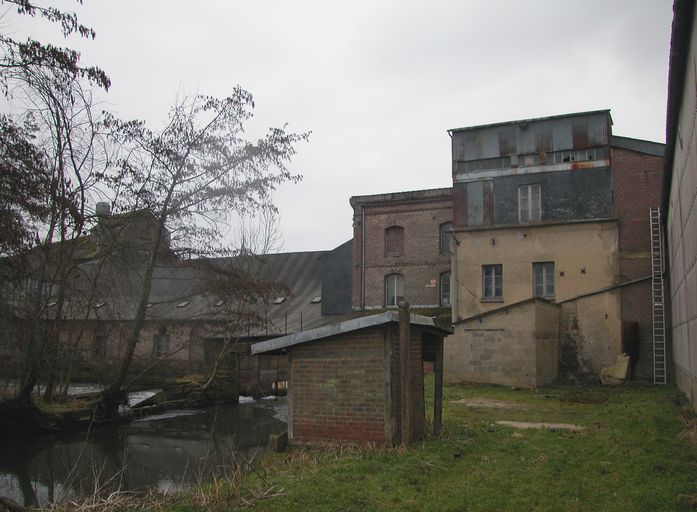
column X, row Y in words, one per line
column 455, row 304
column 362, row 257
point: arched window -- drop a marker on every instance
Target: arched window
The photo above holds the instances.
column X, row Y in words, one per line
column 445, row 289
column 446, row 230
column 394, row 289
column 161, row 343
column 394, row 241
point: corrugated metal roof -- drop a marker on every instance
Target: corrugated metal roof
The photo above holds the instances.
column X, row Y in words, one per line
column 186, row 291
column 532, row 120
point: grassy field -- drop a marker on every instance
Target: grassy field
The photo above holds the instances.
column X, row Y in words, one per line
column 637, row 452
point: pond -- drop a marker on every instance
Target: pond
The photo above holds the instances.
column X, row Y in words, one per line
column 165, row 451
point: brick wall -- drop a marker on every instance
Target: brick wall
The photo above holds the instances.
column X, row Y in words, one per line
column 338, row 389
column 420, row 262
column 637, row 182
column 341, row 393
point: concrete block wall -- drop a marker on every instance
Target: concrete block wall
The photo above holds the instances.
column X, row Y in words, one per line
column 517, row 346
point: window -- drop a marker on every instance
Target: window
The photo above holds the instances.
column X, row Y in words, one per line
column 161, row 343
column 394, row 289
column 485, row 164
column 492, row 281
column 543, row 279
column 446, row 230
column 100, row 344
column 445, row 289
column 394, row 241
column 576, row 155
column 529, row 209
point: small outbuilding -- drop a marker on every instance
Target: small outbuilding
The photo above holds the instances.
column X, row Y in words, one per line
column 361, row 380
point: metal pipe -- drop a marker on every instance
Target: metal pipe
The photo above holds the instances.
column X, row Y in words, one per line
column 362, row 257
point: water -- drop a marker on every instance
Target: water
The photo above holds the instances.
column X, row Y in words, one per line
column 166, row 451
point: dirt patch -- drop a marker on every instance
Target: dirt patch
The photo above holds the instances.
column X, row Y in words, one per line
column 525, row 425
column 491, row 403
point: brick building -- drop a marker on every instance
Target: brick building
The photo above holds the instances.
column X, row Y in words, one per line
column 349, row 383
column 401, row 248
column 637, row 184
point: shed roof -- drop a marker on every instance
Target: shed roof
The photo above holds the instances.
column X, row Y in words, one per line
column 342, row 327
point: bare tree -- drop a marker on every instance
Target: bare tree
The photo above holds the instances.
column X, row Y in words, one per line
column 192, row 175
column 74, row 159
column 48, row 156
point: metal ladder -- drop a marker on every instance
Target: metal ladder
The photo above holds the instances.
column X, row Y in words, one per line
column 659, row 338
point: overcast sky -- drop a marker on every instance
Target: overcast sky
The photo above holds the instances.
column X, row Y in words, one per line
column 379, row 82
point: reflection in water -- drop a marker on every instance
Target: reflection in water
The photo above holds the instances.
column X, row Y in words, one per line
column 164, row 452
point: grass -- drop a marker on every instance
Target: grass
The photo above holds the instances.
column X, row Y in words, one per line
column 638, row 453
column 632, row 456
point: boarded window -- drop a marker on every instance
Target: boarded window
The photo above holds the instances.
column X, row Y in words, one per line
column 394, row 241
column 394, row 289
column 529, row 203
column 543, row 279
column 492, row 281
column 445, row 289
column 446, row 230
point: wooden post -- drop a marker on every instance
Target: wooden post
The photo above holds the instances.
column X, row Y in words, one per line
column 438, row 398
column 404, row 371
column 390, row 417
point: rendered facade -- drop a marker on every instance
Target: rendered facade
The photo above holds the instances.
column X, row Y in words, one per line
column 681, row 191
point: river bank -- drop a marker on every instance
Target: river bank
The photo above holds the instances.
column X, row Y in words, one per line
column 162, row 452
column 632, row 448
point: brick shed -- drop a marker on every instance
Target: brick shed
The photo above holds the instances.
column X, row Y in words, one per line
column 354, row 382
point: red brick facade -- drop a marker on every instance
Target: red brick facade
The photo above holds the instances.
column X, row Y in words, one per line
column 341, row 391
column 421, row 214
column 637, row 183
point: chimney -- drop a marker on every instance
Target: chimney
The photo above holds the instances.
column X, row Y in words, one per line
column 103, row 209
